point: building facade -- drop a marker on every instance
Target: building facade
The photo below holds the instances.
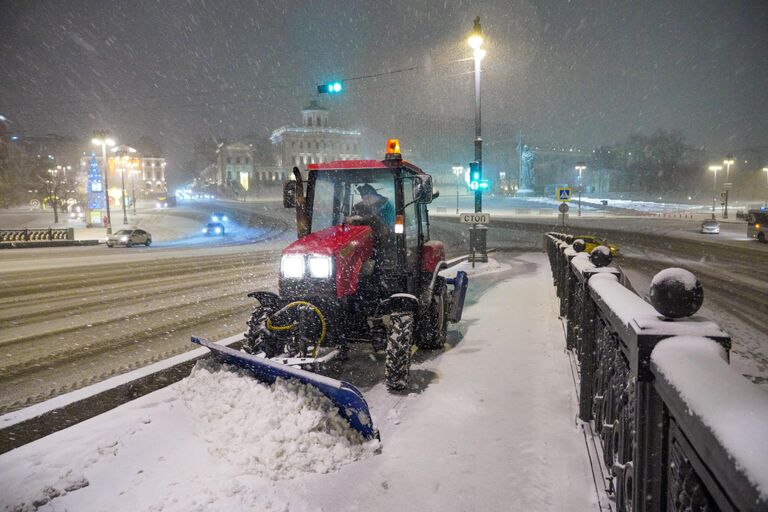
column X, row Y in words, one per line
column 313, row 142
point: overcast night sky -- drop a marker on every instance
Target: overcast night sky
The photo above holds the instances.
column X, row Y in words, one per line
column 580, row 72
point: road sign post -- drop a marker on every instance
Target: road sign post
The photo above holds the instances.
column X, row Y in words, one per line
column 478, row 235
column 563, row 208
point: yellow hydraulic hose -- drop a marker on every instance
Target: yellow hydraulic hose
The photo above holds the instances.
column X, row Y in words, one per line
column 314, row 308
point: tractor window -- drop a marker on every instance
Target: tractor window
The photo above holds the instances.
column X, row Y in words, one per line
column 338, row 196
column 411, row 223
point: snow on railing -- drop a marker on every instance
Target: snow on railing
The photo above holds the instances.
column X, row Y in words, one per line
column 652, row 382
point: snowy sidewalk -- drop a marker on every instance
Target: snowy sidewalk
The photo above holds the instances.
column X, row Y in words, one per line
column 490, row 425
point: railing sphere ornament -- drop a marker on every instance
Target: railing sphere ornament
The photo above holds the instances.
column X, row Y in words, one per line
column 569, row 239
column 579, row 245
column 676, row 293
column 600, row 256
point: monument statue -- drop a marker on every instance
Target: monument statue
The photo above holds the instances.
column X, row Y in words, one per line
column 527, row 159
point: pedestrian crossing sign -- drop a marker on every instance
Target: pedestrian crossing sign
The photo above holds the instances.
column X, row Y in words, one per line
column 564, row 194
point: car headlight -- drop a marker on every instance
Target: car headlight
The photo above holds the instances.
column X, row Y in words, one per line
column 292, row 266
column 123, row 238
column 320, row 266
column 204, row 230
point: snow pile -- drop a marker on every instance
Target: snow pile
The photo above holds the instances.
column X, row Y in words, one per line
column 278, row 431
column 733, row 408
column 676, row 275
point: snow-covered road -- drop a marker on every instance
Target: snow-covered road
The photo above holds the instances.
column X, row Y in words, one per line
column 487, row 425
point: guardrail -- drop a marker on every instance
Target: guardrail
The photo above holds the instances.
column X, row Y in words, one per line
column 27, row 235
column 679, row 428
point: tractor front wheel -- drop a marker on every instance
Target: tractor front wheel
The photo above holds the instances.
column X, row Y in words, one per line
column 258, row 338
column 398, row 362
column 433, row 326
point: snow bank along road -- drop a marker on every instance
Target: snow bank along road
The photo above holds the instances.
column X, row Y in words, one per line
column 732, row 269
column 488, row 424
column 73, row 316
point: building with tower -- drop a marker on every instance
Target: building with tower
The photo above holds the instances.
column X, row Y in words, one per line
column 314, row 142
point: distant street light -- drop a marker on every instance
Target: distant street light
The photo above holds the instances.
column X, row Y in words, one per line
column 765, row 169
column 714, row 168
column 729, row 161
column 580, row 166
column 101, row 139
column 122, row 153
column 457, row 171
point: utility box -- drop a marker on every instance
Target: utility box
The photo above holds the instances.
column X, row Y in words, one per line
column 478, row 247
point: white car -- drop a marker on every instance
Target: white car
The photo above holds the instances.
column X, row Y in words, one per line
column 129, row 237
column 710, row 227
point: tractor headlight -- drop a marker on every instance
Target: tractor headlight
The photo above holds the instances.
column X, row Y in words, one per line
column 217, row 230
column 224, row 218
column 215, row 218
column 320, row 266
column 292, row 266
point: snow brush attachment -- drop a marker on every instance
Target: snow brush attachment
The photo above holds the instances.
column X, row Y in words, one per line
column 347, row 398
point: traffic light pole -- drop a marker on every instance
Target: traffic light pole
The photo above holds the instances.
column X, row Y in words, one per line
column 478, row 137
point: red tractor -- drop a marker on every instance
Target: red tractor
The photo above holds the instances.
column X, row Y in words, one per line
column 363, row 269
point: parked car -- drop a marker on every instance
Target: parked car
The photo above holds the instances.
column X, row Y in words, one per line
column 129, row 237
column 214, row 229
column 710, row 227
column 219, row 217
column 593, row 241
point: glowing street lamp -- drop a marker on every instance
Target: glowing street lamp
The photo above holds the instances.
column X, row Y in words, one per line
column 765, row 169
column 728, row 162
column 580, row 166
column 475, row 42
column 101, row 139
column 122, row 152
column 714, row 168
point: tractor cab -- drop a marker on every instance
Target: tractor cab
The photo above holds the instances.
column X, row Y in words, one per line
column 363, row 268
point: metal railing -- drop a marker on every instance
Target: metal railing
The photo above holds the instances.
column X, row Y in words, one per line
column 664, row 448
column 27, row 235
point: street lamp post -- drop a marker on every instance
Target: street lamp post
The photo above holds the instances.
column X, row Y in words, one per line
column 765, row 169
column 475, row 42
column 133, row 187
column 101, row 139
column 580, row 166
column 457, row 171
column 729, row 161
column 714, row 168
column 122, row 153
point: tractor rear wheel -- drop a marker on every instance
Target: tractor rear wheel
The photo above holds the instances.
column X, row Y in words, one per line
column 398, row 362
column 433, row 326
column 258, row 338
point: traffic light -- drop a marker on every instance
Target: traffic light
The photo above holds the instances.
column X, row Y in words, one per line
column 330, row 88
column 475, row 176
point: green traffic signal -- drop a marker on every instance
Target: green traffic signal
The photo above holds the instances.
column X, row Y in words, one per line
column 330, row 88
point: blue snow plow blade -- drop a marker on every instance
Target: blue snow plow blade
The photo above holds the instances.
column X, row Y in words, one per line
column 346, row 397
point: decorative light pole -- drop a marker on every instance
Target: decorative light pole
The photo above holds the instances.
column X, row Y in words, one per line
column 728, row 162
column 475, row 42
column 580, row 166
column 457, row 171
column 122, row 152
column 714, row 168
column 765, row 169
column 101, row 139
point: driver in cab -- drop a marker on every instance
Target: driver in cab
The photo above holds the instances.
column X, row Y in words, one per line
column 373, row 210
